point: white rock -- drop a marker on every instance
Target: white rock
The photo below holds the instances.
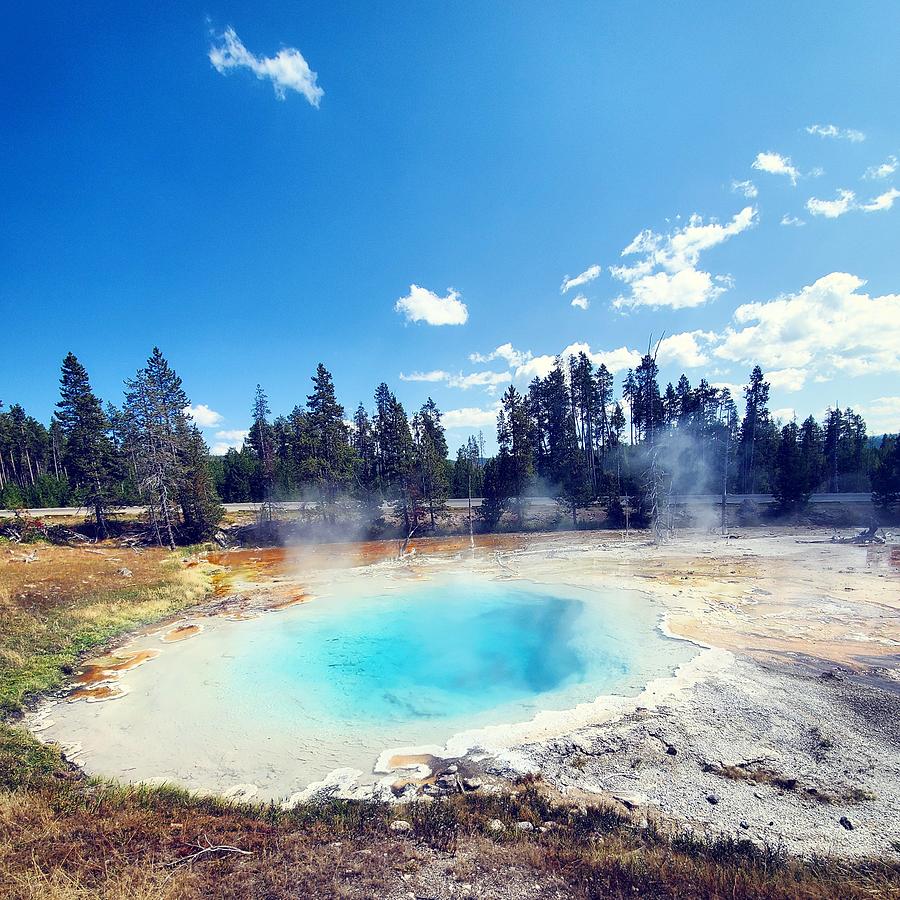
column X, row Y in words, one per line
column 400, row 825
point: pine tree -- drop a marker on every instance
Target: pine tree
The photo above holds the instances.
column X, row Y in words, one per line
column 811, row 452
column 89, row 455
column 331, row 454
column 261, row 440
column 169, row 454
column 755, row 429
column 431, row 457
column 517, row 465
column 200, row 508
column 365, row 471
column 791, row 479
column 886, row 473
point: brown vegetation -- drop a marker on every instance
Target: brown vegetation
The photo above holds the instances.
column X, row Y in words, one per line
column 64, row 836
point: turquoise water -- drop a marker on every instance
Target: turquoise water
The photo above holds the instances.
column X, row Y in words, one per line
column 461, row 652
column 282, row 700
column 440, row 651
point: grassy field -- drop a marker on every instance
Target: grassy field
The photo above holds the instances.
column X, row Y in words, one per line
column 64, row 836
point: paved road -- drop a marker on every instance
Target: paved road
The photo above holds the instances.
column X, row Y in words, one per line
column 687, row 500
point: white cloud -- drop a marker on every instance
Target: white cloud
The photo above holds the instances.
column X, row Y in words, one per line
column 589, row 274
column 736, row 390
column 487, row 380
column 537, row 367
column 421, row 305
column 287, row 70
column 233, row 434
column 883, row 415
column 847, row 134
column 203, row 415
column 581, row 302
column 882, row 201
column 614, row 360
column 888, row 167
column 667, row 275
column 787, row 379
column 785, row 414
column 470, row 417
column 747, row 188
column 787, row 219
column 831, row 209
column 506, row 351
column 827, row 328
column 685, row 349
column 776, row 164
column 434, row 375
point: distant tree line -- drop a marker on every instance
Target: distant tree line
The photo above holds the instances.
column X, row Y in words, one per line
column 567, row 436
column 148, row 451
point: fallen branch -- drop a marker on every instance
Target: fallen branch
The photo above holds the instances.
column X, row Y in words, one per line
column 218, row 848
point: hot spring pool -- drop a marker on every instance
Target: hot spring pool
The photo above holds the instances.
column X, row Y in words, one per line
column 284, row 699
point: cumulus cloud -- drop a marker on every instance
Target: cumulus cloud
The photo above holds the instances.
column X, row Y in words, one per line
column 589, row 274
column 434, row 375
column 203, row 415
column 580, row 302
column 422, row 305
column 883, row 415
column 233, row 434
column 688, row 349
column 832, row 131
column 614, row 360
column 787, row 379
column 785, row 414
column 747, row 188
column 882, row 201
column 506, row 351
column 487, row 380
column 287, row 70
column 667, row 273
column 787, row 219
column 776, row 164
column 831, row 209
column 887, row 168
column 470, row 417
column 827, row 328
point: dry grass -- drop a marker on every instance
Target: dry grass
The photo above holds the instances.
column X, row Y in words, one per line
column 66, row 837
column 764, row 775
column 56, row 603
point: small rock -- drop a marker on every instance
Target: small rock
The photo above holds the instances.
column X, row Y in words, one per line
column 472, row 784
column 400, row 825
column 496, row 825
column 631, row 801
column 846, row 823
column 526, row 826
column 671, row 750
column 712, row 798
column 124, row 573
column 452, row 769
column 744, row 823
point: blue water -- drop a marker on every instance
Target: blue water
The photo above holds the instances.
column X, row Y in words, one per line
column 284, row 699
column 443, row 651
column 465, row 652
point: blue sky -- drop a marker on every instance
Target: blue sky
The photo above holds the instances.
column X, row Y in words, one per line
column 254, row 187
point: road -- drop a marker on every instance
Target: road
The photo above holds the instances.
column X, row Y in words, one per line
column 686, row 500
